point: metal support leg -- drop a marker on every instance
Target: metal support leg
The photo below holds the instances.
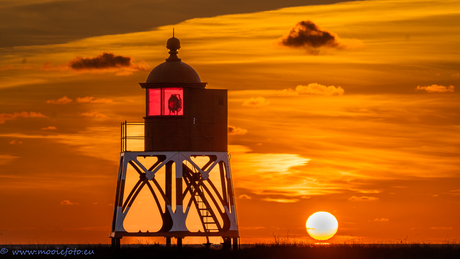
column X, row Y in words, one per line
column 235, row 243
column 116, row 244
column 168, row 242
column 179, row 242
column 226, row 245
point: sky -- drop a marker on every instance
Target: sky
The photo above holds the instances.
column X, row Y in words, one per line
column 350, row 107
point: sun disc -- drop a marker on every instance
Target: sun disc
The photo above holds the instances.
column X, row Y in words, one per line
column 322, row 225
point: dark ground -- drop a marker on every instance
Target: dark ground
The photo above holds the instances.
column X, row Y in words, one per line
column 265, row 251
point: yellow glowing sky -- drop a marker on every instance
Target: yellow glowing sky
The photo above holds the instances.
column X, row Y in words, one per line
column 369, row 132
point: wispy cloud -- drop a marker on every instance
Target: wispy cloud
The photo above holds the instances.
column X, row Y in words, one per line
column 312, row 89
column 67, row 202
column 454, row 192
column 245, row 196
column 91, row 99
column 256, row 102
column 11, row 116
column 49, row 128
column 281, row 200
column 382, row 219
column 63, row 100
column 5, row 159
column 232, row 130
column 436, row 88
column 284, row 176
column 86, row 99
column 94, row 114
column 363, row 198
column 441, row 228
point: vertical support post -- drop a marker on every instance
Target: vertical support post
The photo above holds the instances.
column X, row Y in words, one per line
column 167, row 221
column 168, row 181
column 119, row 194
column 179, row 242
column 226, row 245
column 168, row 241
column 179, row 174
column 126, row 135
column 223, row 179
column 116, row 244
column 235, row 243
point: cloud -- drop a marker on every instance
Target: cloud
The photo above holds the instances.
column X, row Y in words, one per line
column 244, row 196
column 49, row 66
column 256, row 102
column 382, row 219
column 94, row 114
column 280, row 200
column 108, row 61
column 363, row 198
column 436, row 88
column 49, row 128
column 318, row 89
column 308, row 35
column 63, row 100
column 313, row 89
column 252, row 228
column 454, row 192
column 90, row 99
column 67, row 202
column 288, row 92
column 14, row 142
column 441, row 228
column 5, row 159
column 103, row 61
column 11, row 116
column 86, row 99
column 232, row 130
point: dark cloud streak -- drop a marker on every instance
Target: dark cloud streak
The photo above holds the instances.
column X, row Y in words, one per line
column 104, row 61
column 65, row 21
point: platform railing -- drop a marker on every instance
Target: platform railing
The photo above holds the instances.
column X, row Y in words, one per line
column 132, row 136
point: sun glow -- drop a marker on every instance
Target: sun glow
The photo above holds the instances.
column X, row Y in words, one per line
column 322, row 225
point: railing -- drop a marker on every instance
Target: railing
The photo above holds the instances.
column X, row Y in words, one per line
column 132, row 136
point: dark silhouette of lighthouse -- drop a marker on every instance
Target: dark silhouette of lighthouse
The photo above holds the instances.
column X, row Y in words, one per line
column 185, row 135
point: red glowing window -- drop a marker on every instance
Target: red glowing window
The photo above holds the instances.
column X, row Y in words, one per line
column 154, row 102
column 165, row 101
column 172, row 101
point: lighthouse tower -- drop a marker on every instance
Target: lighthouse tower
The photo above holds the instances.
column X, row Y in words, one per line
column 184, row 163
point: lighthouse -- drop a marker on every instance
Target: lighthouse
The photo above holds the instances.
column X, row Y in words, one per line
column 188, row 174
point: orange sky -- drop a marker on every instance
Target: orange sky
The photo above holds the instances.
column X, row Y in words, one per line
column 366, row 127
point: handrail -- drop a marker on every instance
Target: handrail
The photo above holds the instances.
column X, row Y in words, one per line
column 125, row 137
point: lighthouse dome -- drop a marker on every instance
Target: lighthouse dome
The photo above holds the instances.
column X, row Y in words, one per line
column 173, row 70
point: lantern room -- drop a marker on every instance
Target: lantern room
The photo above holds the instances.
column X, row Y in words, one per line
column 181, row 115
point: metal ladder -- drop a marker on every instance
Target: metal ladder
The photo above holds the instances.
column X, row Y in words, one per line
column 205, row 215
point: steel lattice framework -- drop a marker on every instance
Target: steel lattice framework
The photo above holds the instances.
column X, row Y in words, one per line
column 214, row 202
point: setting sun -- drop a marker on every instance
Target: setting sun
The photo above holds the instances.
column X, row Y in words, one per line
column 322, row 225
